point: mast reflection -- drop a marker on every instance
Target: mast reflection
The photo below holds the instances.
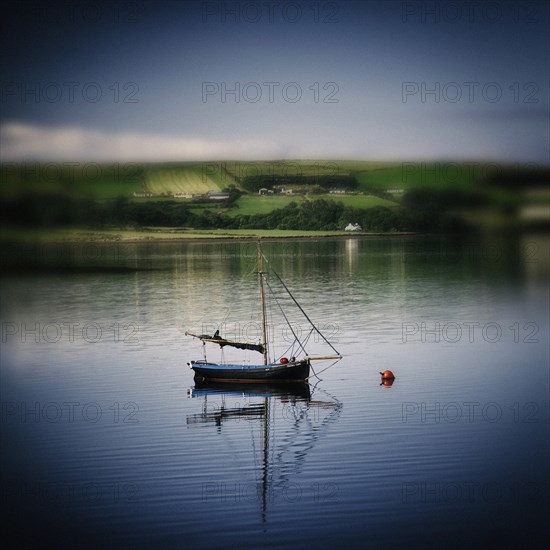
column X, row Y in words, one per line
column 300, row 413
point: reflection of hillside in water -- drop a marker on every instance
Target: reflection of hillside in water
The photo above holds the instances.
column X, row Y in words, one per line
column 285, row 423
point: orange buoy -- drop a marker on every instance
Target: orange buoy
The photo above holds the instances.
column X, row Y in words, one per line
column 284, row 360
column 387, row 375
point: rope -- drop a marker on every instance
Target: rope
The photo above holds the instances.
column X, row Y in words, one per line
column 317, row 374
column 305, row 314
column 286, row 318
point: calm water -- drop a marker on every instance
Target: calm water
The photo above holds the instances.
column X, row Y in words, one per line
column 106, row 440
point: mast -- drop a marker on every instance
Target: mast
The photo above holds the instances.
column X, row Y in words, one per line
column 262, row 299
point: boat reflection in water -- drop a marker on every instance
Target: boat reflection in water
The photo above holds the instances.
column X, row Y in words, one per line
column 301, row 413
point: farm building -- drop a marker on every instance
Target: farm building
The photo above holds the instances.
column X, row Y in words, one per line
column 218, row 196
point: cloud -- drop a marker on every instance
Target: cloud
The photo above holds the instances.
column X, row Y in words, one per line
column 448, row 139
column 26, row 142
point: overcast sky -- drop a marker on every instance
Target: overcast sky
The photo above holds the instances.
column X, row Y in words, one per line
column 193, row 80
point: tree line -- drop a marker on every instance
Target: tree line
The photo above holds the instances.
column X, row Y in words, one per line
column 420, row 210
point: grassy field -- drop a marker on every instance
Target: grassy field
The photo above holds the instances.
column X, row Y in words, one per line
column 250, row 205
column 255, row 204
column 285, row 167
column 359, row 201
column 111, row 180
column 418, row 174
column 192, row 180
column 105, row 181
column 89, row 180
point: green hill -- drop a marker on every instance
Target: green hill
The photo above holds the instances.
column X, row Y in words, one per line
column 176, row 193
column 105, row 181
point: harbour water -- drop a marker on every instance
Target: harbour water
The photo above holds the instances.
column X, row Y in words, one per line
column 107, row 440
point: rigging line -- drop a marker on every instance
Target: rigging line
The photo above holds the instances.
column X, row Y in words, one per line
column 337, row 402
column 224, row 318
column 316, row 384
column 307, row 338
column 296, row 339
column 286, row 318
column 316, row 374
column 305, row 314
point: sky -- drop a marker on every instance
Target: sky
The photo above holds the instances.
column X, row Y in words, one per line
column 210, row 80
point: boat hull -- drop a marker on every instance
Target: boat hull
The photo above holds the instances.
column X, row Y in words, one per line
column 278, row 372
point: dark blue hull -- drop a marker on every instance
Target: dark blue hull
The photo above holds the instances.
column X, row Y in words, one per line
column 279, row 372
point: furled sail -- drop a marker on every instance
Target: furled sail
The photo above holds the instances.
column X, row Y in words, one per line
column 239, row 345
column 216, row 339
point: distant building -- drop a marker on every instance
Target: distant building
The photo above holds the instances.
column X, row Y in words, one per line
column 353, row 227
column 265, row 191
column 218, row 196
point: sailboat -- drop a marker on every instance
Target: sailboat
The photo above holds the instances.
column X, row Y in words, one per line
column 280, row 369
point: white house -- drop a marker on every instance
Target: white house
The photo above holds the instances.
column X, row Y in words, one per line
column 353, row 227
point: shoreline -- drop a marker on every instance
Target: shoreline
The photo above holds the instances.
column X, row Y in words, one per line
column 79, row 236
